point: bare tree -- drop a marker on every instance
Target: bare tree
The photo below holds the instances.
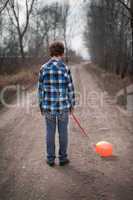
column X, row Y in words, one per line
column 21, row 30
column 56, row 19
column 65, row 14
column 48, row 26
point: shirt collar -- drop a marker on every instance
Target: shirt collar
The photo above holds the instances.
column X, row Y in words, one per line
column 56, row 59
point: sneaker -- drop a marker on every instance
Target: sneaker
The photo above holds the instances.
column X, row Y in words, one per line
column 51, row 163
column 65, row 162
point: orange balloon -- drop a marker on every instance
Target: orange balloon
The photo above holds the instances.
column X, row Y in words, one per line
column 104, row 149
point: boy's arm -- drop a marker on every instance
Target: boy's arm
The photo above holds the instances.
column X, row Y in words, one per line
column 71, row 90
column 40, row 89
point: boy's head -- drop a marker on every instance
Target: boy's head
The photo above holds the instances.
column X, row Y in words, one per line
column 56, row 49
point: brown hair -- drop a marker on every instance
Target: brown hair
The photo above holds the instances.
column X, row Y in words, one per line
column 56, row 49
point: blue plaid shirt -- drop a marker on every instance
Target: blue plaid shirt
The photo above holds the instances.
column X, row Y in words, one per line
column 55, row 87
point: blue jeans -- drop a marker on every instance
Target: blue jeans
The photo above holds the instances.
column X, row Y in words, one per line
column 61, row 121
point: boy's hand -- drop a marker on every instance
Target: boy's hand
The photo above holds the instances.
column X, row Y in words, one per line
column 41, row 109
column 71, row 110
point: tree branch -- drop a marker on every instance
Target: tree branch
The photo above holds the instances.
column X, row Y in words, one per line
column 1, row 10
column 125, row 5
column 16, row 17
column 10, row 17
column 28, row 13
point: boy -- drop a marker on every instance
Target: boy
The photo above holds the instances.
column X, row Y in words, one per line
column 56, row 101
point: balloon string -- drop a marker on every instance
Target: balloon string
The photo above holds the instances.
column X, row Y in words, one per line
column 78, row 123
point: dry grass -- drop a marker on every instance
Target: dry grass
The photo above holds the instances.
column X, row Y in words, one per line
column 23, row 77
column 110, row 82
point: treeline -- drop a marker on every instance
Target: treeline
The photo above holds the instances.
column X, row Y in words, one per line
column 109, row 35
column 27, row 27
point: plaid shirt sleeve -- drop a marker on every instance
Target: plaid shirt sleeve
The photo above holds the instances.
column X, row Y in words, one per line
column 71, row 90
column 40, row 90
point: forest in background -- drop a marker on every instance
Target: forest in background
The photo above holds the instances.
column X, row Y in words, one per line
column 109, row 35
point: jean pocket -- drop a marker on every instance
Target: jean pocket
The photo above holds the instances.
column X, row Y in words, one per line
column 49, row 116
column 63, row 116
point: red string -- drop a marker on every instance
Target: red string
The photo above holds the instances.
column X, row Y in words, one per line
column 78, row 123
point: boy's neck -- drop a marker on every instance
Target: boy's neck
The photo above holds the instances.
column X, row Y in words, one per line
column 56, row 58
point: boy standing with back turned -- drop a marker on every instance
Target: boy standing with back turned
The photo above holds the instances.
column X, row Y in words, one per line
column 56, row 101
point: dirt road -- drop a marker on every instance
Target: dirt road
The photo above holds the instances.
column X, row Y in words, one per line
column 24, row 174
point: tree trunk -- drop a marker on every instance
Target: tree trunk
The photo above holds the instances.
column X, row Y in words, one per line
column 21, row 47
column 47, row 44
column 131, row 4
column 66, row 47
column 66, row 54
column 132, row 24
